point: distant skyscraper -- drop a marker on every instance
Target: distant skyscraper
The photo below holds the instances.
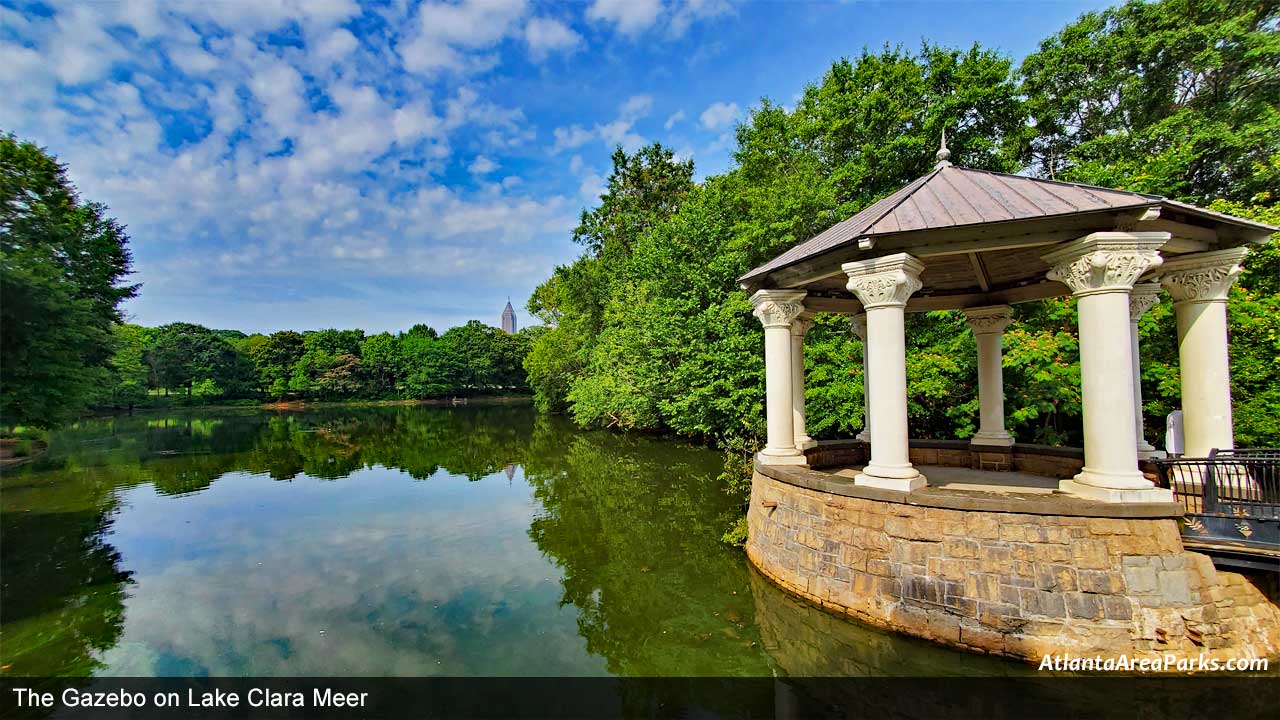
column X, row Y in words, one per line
column 509, row 319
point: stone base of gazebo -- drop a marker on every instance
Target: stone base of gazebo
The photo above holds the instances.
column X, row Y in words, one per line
column 1002, row 569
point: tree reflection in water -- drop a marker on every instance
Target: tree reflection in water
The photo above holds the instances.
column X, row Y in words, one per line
column 581, row 553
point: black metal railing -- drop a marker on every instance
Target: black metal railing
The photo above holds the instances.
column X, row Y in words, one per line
column 1232, row 495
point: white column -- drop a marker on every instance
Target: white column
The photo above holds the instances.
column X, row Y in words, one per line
column 883, row 285
column 859, row 324
column 1199, row 284
column 1101, row 269
column 776, row 310
column 799, row 328
column 1144, row 297
column 988, row 324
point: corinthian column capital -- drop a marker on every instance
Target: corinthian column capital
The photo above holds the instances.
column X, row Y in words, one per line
column 990, row 319
column 801, row 326
column 1144, row 297
column 778, row 308
column 1105, row 261
column 1202, row 277
column 884, row 281
column 858, row 323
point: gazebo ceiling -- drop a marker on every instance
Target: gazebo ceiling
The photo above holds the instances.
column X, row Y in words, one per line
column 981, row 235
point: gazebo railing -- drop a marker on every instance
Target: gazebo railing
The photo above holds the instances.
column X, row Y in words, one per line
column 1231, row 496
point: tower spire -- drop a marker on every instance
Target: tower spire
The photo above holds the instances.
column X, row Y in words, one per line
column 943, row 155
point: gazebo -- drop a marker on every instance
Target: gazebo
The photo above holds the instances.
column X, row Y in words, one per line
column 1081, row 552
column 979, row 241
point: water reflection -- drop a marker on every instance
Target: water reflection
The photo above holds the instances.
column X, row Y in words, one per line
column 476, row 541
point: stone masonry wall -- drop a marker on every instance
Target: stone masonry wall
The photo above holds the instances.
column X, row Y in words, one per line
column 1008, row 583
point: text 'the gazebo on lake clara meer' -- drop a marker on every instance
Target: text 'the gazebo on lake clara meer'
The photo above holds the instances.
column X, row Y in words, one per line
column 988, row 544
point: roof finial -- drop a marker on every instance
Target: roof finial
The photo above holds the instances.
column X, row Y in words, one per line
column 943, row 155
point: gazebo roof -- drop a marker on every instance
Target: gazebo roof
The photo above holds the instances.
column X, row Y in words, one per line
column 951, row 198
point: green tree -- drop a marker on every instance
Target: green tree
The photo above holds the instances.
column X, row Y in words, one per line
column 382, row 358
column 434, row 370
column 874, row 123
column 62, row 262
column 129, row 372
column 274, row 359
column 1176, row 97
column 643, row 190
column 184, row 355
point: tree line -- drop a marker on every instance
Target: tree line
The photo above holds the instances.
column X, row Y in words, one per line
column 65, row 348
column 650, row 331
column 208, row 365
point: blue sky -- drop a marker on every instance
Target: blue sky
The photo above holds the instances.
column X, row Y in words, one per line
column 318, row 163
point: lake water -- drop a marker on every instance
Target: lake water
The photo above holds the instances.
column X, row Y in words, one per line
column 401, row 540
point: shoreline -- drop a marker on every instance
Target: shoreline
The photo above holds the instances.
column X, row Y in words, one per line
column 298, row 405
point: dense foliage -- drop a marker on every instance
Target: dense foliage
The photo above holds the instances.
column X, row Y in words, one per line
column 62, row 262
column 650, row 331
column 209, row 365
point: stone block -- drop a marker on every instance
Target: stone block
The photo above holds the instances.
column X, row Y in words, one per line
column 983, row 586
column 1002, row 616
column 1141, row 580
column 879, row 567
column 951, row 568
column 1009, row 594
column 982, row 526
column 1174, row 589
column 1100, row 581
column 1084, row 605
column 960, row 548
column 1091, row 555
column 924, row 529
column 924, row 589
column 976, row 636
column 1117, row 608
column 1039, row 602
column 995, row 559
column 1060, row 578
column 1108, row 526
column 960, row 605
column 897, row 526
column 944, row 628
column 1047, row 553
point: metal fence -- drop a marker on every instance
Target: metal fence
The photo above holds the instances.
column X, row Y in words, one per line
column 1232, row 495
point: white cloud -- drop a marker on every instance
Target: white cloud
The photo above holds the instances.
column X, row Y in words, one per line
column 592, row 187
column 482, row 166
column 572, row 137
column 629, row 16
column 445, row 32
column 335, row 46
column 547, row 35
column 675, row 117
column 292, row 163
column 636, row 106
column 719, row 115
column 690, row 11
column 618, row 132
column 84, row 50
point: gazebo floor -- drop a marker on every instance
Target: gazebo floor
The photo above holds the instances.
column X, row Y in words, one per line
column 969, row 480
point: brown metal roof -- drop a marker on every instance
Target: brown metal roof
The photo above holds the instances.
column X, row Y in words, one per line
column 950, row 196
